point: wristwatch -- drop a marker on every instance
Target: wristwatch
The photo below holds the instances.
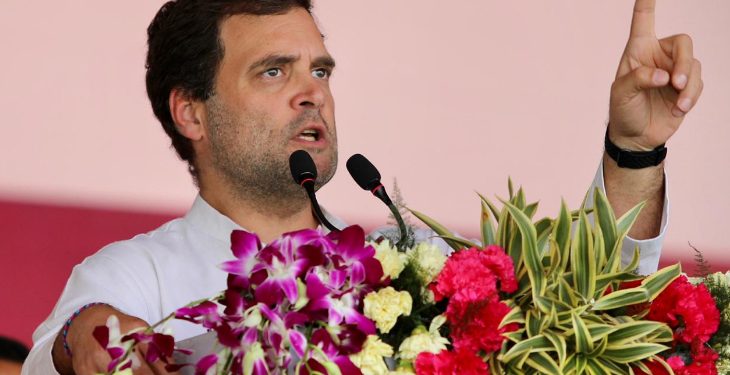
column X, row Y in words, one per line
column 635, row 159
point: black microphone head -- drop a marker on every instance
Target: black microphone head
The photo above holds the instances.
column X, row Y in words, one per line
column 363, row 172
column 302, row 167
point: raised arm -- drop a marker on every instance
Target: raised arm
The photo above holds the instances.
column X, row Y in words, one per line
column 657, row 83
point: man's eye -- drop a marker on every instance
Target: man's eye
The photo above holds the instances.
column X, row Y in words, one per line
column 273, row 72
column 321, row 73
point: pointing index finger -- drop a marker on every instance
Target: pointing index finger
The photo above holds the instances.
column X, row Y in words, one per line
column 642, row 24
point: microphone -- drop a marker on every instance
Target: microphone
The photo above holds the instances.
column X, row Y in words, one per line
column 368, row 177
column 304, row 171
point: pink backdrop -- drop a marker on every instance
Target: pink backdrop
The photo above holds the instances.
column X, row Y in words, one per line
column 448, row 99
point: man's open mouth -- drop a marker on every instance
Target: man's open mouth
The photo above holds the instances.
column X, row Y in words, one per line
column 310, row 135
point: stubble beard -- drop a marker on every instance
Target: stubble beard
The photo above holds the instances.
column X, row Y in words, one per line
column 251, row 155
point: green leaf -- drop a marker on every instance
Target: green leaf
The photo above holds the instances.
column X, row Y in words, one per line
column 605, row 218
column 663, row 334
column 519, row 200
column 598, row 248
column 594, row 366
column 599, row 349
column 531, row 209
column 559, row 343
column 569, row 366
column 543, row 363
column 631, row 331
column 534, row 344
column 604, row 279
column 460, row 241
column 504, row 234
column 656, row 282
column 531, row 254
column 583, row 261
column 599, row 331
column 561, row 234
column 492, row 207
column 583, row 339
column 510, row 188
column 487, row 227
column 532, row 324
column 580, row 363
column 555, row 260
column 514, row 336
column 626, row 221
column 567, row 293
column 627, row 353
column 438, row 228
column 513, row 316
column 621, row 298
column 543, row 228
column 613, row 368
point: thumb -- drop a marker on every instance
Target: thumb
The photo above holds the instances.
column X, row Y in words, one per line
column 642, row 78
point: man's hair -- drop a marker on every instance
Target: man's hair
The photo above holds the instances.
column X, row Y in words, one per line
column 12, row 350
column 185, row 51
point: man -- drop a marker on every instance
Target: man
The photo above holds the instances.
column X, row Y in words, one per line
column 238, row 86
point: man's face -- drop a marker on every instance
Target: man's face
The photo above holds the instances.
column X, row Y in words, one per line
column 272, row 97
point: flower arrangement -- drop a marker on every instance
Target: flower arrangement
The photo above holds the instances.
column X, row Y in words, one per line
column 549, row 296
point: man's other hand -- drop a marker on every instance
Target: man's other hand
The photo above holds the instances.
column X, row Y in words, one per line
column 87, row 356
column 658, row 82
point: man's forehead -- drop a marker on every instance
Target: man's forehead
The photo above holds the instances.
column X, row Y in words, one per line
column 295, row 26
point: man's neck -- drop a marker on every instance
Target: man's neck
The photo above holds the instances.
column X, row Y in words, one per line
column 268, row 221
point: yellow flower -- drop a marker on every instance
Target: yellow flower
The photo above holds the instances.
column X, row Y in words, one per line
column 385, row 306
column 390, row 258
column 370, row 359
column 424, row 341
column 429, row 261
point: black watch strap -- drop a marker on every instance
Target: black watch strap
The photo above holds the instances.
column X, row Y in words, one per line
column 635, row 159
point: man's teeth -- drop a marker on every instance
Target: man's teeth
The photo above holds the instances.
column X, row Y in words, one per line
column 309, row 135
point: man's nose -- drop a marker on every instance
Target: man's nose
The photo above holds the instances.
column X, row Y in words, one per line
column 310, row 93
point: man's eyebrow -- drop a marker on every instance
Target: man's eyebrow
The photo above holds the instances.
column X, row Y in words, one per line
column 273, row 60
column 277, row 60
column 324, row 61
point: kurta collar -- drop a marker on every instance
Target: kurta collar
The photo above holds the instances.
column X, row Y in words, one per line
column 203, row 216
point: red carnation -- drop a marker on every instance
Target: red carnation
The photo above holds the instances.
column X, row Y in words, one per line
column 472, row 275
column 448, row 363
column 475, row 326
column 689, row 310
column 469, row 279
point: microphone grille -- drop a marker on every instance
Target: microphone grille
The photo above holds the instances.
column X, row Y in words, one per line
column 302, row 166
column 363, row 172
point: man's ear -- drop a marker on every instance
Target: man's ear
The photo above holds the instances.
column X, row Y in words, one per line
column 188, row 115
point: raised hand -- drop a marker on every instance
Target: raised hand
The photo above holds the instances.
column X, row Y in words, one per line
column 658, row 82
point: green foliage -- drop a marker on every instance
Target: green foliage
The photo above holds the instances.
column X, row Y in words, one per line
column 571, row 311
column 422, row 311
column 717, row 284
column 702, row 266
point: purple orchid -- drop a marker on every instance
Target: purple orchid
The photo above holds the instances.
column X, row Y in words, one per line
column 342, row 307
column 206, row 365
column 245, row 247
column 285, row 260
column 322, row 339
column 353, row 254
column 278, row 299
column 205, row 314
